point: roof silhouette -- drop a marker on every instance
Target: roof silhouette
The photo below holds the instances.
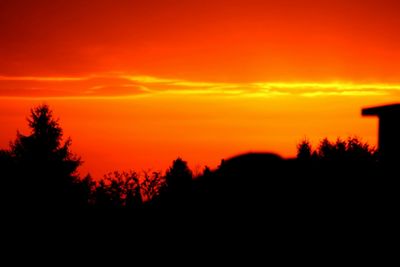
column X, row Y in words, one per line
column 382, row 110
column 389, row 130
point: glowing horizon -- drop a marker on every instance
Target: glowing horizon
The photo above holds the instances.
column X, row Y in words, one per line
column 138, row 83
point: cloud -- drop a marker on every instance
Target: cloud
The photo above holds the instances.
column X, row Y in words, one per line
column 124, row 85
column 265, row 89
column 116, row 90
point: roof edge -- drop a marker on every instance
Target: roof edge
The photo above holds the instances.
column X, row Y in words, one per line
column 380, row 110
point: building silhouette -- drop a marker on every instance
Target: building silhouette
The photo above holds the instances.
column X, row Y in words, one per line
column 389, row 131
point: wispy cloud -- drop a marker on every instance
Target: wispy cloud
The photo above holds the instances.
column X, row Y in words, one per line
column 328, row 86
column 344, row 93
column 124, row 85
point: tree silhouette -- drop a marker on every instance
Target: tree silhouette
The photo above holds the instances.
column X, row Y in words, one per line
column 45, row 168
column 351, row 149
column 118, row 190
column 39, row 170
column 179, row 177
column 152, row 184
column 177, row 189
column 304, row 150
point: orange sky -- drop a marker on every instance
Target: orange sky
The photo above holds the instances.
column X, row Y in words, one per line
column 138, row 83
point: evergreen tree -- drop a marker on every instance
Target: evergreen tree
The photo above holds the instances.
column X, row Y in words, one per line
column 45, row 168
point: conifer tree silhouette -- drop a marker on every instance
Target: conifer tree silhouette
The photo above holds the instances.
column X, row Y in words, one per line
column 45, row 168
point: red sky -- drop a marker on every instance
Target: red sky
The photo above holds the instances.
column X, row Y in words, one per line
column 138, row 83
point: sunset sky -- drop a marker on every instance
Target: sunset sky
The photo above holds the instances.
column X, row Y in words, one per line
column 138, row 83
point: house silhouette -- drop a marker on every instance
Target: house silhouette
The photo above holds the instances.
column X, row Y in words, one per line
column 389, row 130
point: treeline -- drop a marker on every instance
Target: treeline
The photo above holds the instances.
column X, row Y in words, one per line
column 40, row 171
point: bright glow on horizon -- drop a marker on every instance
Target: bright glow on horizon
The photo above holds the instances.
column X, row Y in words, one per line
column 138, row 83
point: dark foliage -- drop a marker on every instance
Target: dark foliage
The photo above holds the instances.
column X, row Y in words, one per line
column 342, row 177
column 43, row 169
column 118, row 190
column 152, row 185
column 178, row 177
column 351, row 149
